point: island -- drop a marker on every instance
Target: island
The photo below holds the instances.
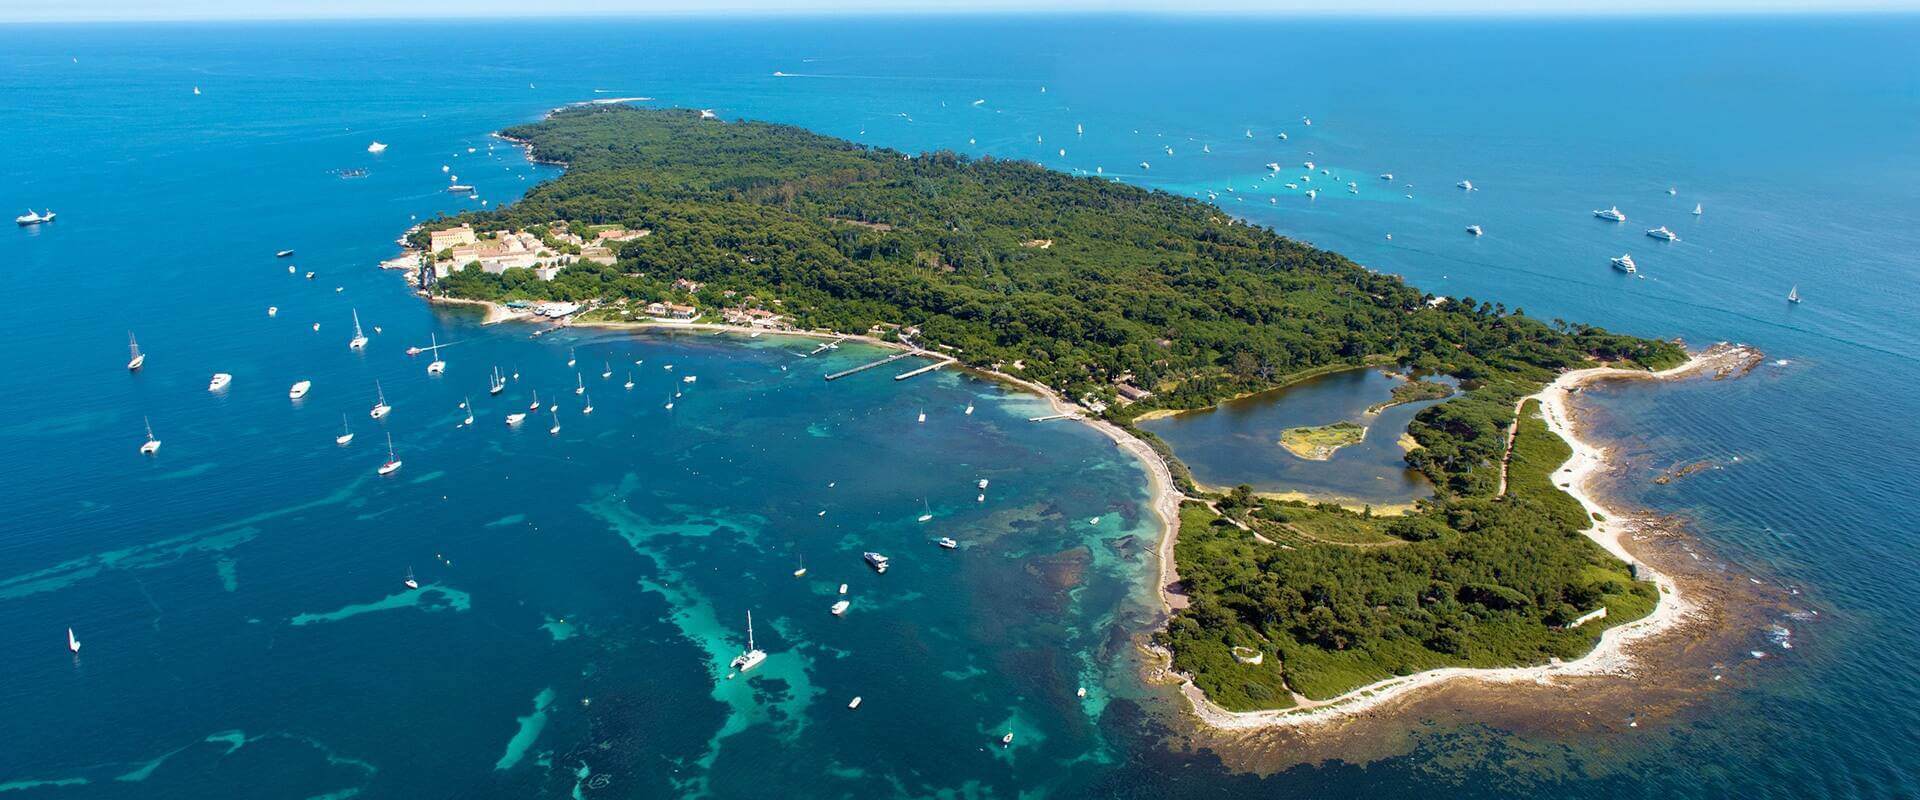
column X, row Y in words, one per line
column 1127, row 301
column 1319, row 442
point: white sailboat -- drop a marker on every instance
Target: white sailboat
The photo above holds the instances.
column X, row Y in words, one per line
column 137, row 358
column 497, row 383
column 607, row 371
column 152, row 445
column 753, row 655
column 923, row 416
column 346, row 432
column 411, row 582
column 359, row 340
column 969, row 409
column 467, row 403
column 670, row 402
column 570, row 358
column 802, row 571
column 629, row 379
column 579, row 384
column 928, row 511
column 555, row 410
column 535, row 405
column 73, row 645
column 393, row 461
column 1793, row 294
column 588, row 408
column 380, row 407
column 1697, row 210
column 436, row 366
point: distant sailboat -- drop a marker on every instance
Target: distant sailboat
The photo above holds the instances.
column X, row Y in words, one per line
column 498, row 383
column 73, row 645
column 923, row 416
column 346, row 432
column 535, row 405
column 579, row 384
column 1697, row 211
column 437, row 365
column 555, row 410
column 359, row 340
column 670, row 401
column 467, row 403
column 969, row 409
column 629, row 384
column 753, row 655
column 393, row 461
column 152, row 445
column 570, row 358
column 411, row 582
column 802, row 571
column 377, row 147
column 380, row 407
column 1793, row 294
column 137, row 359
column 588, row 408
column 607, row 371
column 928, row 511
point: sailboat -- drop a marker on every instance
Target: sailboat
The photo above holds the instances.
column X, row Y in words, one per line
column 436, row 366
column 359, row 340
column 1697, row 211
column 73, row 645
column 393, row 461
column 346, row 433
column 411, row 582
column 138, row 358
column 570, row 358
column 607, row 371
column 497, row 383
column 588, row 408
column 753, row 655
column 1793, row 294
column 152, row 445
column 196, row 91
column 555, row 430
column 380, row 407
column 802, row 571
column 535, row 405
column 629, row 379
column 923, row 416
column 467, row 403
column 928, row 511
column 579, row 384
column 969, row 409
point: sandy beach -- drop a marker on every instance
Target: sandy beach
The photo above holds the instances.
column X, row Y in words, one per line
column 1609, row 657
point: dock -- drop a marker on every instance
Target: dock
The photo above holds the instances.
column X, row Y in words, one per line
column 1051, row 417
column 928, row 368
column 825, row 347
column 870, row 365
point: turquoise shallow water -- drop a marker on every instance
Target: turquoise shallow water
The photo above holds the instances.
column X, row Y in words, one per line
column 581, row 589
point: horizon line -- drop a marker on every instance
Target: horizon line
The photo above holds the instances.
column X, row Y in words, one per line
column 1907, row 8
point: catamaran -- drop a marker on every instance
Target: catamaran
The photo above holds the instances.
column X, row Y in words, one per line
column 346, row 432
column 380, row 407
column 377, row 147
column 393, row 461
column 969, row 409
column 497, row 383
column 138, row 358
column 152, row 445
column 436, row 366
column 219, row 381
column 359, row 340
column 753, row 655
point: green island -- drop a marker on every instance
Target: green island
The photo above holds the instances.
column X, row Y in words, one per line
column 1131, row 301
column 1319, row 442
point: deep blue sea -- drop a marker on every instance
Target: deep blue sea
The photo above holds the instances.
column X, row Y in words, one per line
column 238, row 595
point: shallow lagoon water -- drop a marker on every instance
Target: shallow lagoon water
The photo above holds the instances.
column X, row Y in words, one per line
column 651, row 534
column 1238, row 441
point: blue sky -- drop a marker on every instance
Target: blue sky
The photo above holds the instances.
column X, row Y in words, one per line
column 75, row 10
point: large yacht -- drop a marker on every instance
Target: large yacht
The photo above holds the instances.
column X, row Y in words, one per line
column 877, row 561
column 1663, row 234
column 1611, row 214
column 32, row 218
column 1625, row 264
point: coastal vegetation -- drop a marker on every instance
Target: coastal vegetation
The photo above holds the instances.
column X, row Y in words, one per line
column 1413, row 391
column 1145, row 301
column 1319, row 442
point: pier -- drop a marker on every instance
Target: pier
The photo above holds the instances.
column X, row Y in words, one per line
column 825, row 347
column 1051, row 417
column 928, row 368
column 864, row 367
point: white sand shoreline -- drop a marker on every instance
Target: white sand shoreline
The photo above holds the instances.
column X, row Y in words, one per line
column 1608, row 657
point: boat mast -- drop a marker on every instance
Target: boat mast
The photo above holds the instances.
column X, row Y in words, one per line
column 749, row 631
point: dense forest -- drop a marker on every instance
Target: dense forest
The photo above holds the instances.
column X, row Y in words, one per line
column 1082, row 284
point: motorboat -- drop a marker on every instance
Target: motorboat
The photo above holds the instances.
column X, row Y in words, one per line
column 948, row 543
column 219, row 381
column 840, row 607
column 515, row 418
column 1611, row 214
column 1663, row 234
column 1475, row 230
column 877, row 561
column 299, row 389
column 1625, row 264
column 32, row 218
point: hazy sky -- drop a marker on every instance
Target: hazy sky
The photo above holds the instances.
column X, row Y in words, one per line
column 55, row 10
